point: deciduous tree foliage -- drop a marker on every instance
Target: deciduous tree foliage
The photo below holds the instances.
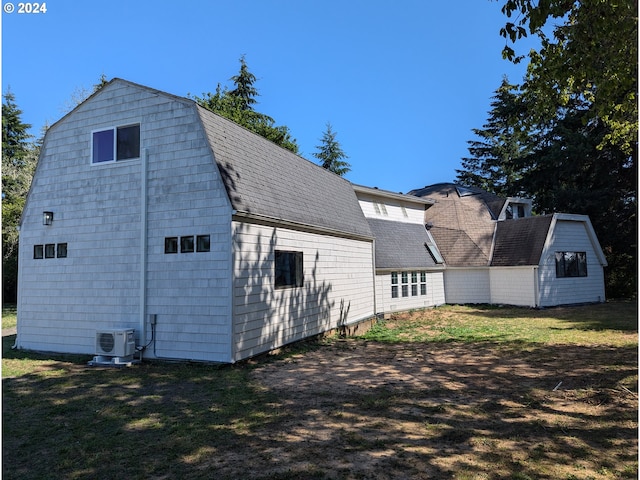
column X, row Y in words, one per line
column 330, row 153
column 237, row 105
column 19, row 158
column 589, row 51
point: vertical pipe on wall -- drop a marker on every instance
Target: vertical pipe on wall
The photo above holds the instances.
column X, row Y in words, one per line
column 143, row 246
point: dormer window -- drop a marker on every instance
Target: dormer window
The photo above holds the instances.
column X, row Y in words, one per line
column 517, row 209
column 115, row 144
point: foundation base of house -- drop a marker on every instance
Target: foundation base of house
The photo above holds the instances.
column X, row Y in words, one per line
column 103, row 361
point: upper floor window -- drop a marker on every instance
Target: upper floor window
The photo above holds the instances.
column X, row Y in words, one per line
column 118, row 143
column 380, row 208
column 571, row 264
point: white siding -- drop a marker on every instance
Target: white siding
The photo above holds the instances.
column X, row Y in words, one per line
column 396, row 211
column 98, row 213
column 467, row 285
column 338, row 287
column 386, row 304
column 513, row 286
column 570, row 236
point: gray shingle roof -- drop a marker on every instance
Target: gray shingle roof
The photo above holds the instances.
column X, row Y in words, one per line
column 266, row 180
column 400, row 245
column 520, row 241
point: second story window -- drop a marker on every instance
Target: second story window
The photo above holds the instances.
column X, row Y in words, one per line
column 113, row 144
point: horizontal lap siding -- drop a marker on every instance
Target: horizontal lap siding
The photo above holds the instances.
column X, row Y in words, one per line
column 97, row 211
column 338, row 284
column 385, row 303
column 467, row 286
column 513, row 286
column 570, row 236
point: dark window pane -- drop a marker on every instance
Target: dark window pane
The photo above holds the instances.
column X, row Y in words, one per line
column 38, row 251
column 414, row 290
column 288, row 269
column 571, row 264
column 582, row 264
column 203, row 243
column 394, row 278
column 50, row 250
column 405, row 290
column 128, row 142
column 62, row 250
column 423, row 289
column 186, row 244
column 103, row 146
column 394, row 291
column 171, row 245
column 559, row 264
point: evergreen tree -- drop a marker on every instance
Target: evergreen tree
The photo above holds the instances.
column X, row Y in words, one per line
column 571, row 170
column 330, row 153
column 237, row 106
column 19, row 158
column 244, row 91
column 495, row 161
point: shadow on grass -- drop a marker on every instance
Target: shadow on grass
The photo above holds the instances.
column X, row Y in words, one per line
column 347, row 409
column 620, row 315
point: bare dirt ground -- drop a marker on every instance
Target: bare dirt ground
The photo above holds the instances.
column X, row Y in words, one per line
column 358, row 409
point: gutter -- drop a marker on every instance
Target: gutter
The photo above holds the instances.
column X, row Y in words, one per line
column 303, row 227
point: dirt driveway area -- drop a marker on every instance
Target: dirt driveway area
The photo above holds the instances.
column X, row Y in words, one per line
column 358, row 409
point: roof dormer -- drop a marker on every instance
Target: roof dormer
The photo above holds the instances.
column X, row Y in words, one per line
column 515, row 207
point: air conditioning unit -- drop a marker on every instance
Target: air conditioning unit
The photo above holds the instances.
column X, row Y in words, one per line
column 115, row 343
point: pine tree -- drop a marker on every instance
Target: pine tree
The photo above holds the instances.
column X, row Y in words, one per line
column 19, row 158
column 244, row 91
column 495, row 161
column 237, row 106
column 330, row 153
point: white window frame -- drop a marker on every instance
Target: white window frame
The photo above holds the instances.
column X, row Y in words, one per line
column 115, row 128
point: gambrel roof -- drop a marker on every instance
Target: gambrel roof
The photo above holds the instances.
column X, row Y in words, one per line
column 268, row 183
column 520, row 241
column 467, row 224
column 265, row 181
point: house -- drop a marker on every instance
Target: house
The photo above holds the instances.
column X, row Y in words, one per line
column 154, row 221
column 150, row 213
column 408, row 265
column 497, row 252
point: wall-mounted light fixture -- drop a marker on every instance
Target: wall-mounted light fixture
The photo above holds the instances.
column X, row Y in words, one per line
column 428, row 225
column 47, row 218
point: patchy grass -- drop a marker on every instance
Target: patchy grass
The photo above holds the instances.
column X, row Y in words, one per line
column 613, row 323
column 451, row 393
column 9, row 316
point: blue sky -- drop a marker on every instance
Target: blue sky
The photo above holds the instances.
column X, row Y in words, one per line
column 402, row 82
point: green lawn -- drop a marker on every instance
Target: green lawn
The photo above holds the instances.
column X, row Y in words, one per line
column 9, row 316
column 464, row 392
column 613, row 323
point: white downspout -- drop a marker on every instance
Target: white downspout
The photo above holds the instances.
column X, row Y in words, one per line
column 536, row 286
column 143, row 246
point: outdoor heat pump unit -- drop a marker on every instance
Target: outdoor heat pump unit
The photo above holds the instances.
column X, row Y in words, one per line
column 115, row 343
